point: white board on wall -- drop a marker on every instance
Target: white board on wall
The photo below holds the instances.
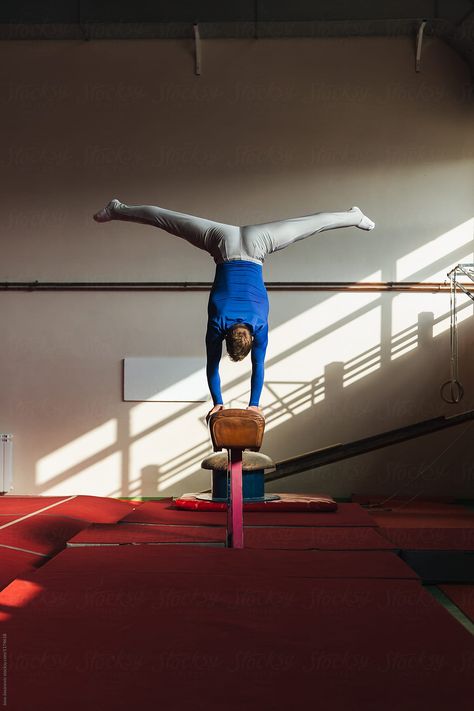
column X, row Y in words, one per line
column 171, row 379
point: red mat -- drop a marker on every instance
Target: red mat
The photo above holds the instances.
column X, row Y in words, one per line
column 26, row 504
column 447, row 517
column 246, row 563
column 98, row 509
column 14, row 564
column 95, row 509
column 163, row 512
column 8, row 518
column 286, row 503
column 431, row 538
column 296, row 538
column 117, row 534
column 320, row 538
column 419, row 502
column 462, row 596
column 127, row 636
column 41, row 533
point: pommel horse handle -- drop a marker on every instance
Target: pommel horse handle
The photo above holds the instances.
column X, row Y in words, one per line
column 236, row 430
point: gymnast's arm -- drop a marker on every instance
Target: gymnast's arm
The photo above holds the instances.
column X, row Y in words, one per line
column 214, row 352
column 259, row 349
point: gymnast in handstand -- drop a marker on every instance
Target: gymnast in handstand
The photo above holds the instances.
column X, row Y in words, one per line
column 238, row 302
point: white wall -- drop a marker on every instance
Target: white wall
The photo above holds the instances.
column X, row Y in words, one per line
column 272, row 128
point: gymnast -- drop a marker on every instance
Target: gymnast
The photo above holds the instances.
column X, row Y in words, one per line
column 238, row 302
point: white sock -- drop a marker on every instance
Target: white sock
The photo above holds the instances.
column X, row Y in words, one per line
column 365, row 223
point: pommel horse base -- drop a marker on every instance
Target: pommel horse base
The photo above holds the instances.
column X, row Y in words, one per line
column 236, row 430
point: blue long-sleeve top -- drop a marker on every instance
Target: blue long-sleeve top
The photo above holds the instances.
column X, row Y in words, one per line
column 238, row 295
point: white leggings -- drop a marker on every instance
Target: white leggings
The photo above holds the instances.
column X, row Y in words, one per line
column 228, row 242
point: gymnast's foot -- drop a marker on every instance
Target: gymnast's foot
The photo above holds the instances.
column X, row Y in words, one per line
column 364, row 222
column 107, row 212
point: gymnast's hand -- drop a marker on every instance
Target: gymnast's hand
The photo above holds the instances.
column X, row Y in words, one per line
column 216, row 408
column 257, row 409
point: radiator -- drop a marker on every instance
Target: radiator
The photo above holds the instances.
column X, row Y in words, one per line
column 6, row 463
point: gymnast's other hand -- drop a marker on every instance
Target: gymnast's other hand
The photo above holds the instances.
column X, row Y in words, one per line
column 257, row 409
column 216, row 408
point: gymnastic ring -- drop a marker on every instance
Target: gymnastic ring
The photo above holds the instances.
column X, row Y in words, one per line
column 456, row 392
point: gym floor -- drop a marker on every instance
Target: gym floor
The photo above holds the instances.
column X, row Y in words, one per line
column 110, row 604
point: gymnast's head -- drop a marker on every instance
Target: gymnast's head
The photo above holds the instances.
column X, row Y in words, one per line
column 238, row 341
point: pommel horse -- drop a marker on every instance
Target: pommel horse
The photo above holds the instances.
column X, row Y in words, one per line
column 236, row 430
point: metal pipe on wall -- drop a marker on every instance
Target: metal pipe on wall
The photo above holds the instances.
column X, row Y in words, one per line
column 413, row 287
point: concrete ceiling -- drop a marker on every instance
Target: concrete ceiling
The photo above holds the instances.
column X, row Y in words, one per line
column 450, row 20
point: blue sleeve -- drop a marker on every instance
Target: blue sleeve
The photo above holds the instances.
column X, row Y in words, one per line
column 259, row 349
column 214, row 352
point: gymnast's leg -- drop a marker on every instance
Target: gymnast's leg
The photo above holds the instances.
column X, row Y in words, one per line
column 273, row 236
column 202, row 233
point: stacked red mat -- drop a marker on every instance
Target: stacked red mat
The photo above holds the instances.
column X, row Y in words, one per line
column 33, row 529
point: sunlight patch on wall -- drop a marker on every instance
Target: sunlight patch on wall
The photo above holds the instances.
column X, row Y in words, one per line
column 284, row 400
column 407, row 330
column 277, row 416
column 148, row 415
column 77, row 451
column 168, row 454
column 339, row 329
column 342, row 344
column 362, row 338
column 464, row 309
column 235, row 379
column 364, row 363
column 440, row 248
column 96, row 479
column 331, row 312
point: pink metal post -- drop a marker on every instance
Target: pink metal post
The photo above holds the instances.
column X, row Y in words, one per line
column 235, row 517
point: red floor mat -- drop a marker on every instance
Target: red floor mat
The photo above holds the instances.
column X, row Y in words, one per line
column 164, row 513
column 320, row 538
column 14, row 564
column 435, row 502
column 247, row 563
column 431, row 538
column 296, row 538
column 26, row 504
column 95, row 509
column 106, row 534
column 462, row 596
column 448, row 517
column 127, row 636
column 8, row 518
column 98, row 509
column 41, row 533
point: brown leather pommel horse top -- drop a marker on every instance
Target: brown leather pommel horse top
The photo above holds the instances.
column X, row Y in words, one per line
column 237, row 429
